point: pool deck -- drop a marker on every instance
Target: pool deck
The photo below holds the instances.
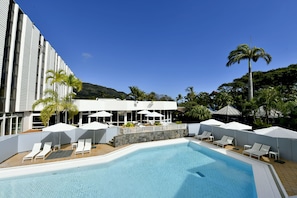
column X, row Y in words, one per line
column 287, row 172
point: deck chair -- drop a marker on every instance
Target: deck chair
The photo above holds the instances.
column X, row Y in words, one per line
column 80, row 146
column 227, row 142
column 255, row 147
column 33, row 153
column 88, row 146
column 222, row 140
column 204, row 135
column 264, row 150
column 47, row 148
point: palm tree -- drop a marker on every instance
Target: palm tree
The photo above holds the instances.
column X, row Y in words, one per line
column 51, row 104
column 72, row 83
column 136, row 93
column 56, row 78
column 244, row 52
column 199, row 112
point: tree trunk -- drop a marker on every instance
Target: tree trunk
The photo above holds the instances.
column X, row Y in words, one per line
column 250, row 83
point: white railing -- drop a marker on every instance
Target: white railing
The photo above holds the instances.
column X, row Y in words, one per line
column 142, row 129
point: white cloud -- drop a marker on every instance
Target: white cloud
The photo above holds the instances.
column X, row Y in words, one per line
column 86, row 55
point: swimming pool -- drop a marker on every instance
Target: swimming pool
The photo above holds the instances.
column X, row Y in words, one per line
column 177, row 170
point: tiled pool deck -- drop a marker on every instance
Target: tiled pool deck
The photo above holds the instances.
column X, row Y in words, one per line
column 287, row 172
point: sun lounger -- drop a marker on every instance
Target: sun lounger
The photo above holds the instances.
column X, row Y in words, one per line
column 264, row 150
column 47, row 148
column 80, row 146
column 227, row 142
column 221, row 141
column 88, row 146
column 204, row 135
column 33, row 153
column 255, row 147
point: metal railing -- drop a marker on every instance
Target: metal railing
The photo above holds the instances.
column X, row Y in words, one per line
column 142, row 129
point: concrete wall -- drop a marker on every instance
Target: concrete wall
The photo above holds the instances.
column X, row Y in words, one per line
column 148, row 136
column 194, row 128
column 8, row 147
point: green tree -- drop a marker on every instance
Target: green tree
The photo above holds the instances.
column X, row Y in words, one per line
column 136, row 93
column 191, row 95
column 199, row 112
column 244, row 52
column 72, row 84
column 51, row 105
column 269, row 99
column 52, row 102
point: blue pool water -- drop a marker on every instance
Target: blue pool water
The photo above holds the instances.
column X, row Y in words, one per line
column 180, row 170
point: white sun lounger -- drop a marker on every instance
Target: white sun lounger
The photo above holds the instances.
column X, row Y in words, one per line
column 47, row 148
column 88, row 146
column 255, row 147
column 221, row 141
column 80, row 146
column 204, row 135
column 33, row 153
column 264, row 150
column 229, row 141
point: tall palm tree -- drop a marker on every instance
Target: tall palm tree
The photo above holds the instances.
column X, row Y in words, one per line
column 56, row 78
column 72, row 83
column 244, row 52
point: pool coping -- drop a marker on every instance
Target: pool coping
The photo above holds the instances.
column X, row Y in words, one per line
column 267, row 181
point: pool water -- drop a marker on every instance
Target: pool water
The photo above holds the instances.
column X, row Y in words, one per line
column 180, row 170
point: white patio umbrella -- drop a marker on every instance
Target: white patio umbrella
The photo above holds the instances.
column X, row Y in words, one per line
column 212, row 122
column 94, row 126
column 236, row 126
column 59, row 127
column 101, row 114
column 277, row 132
column 143, row 112
column 154, row 114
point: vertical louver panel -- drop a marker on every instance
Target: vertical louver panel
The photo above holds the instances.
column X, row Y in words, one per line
column 3, row 23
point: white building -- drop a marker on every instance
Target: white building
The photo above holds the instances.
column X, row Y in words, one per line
column 25, row 57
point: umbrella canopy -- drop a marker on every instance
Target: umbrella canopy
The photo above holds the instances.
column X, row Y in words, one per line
column 59, row 127
column 94, row 126
column 101, row 114
column 213, row 122
column 277, row 132
column 236, row 126
column 144, row 112
column 154, row 114
column 228, row 110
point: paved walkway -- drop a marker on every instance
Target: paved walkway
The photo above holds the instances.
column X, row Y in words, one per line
column 287, row 172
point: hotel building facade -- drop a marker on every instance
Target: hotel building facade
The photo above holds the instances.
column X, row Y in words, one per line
column 25, row 57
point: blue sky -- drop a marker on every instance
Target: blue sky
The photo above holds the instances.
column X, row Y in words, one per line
column 164, row 46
